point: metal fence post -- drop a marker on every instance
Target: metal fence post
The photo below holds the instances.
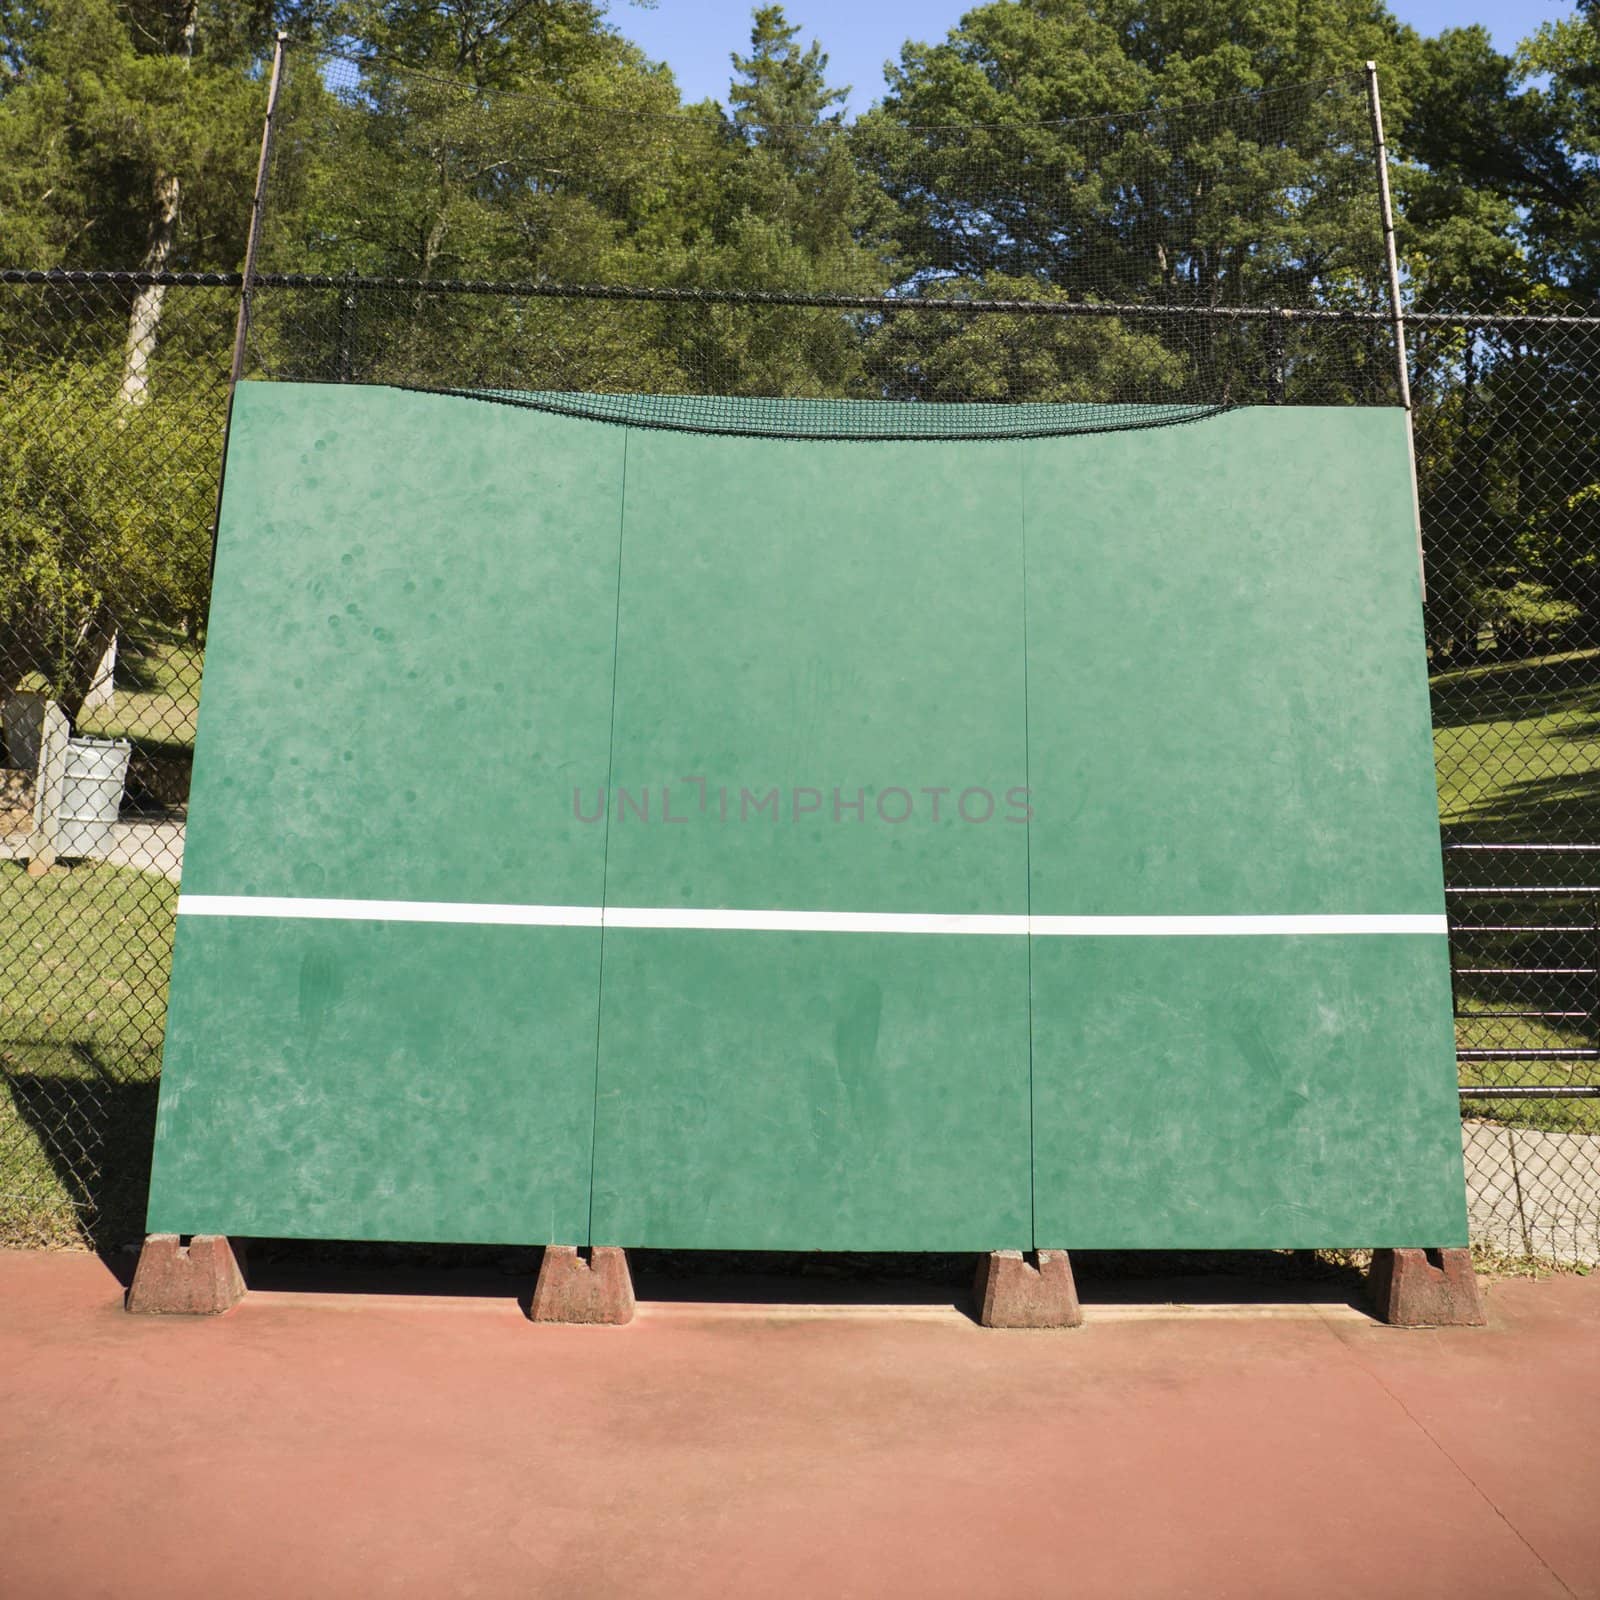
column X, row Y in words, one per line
column 344, row 369
column 257, row 210
column 1391, row 256
column 241, row 331
column 1277, row 359
column 1397, row 313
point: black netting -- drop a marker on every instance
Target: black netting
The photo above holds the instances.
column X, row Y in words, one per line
column 842, row 419
column 1088, row 274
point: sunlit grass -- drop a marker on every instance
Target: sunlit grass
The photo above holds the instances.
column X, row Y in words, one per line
column 1517, row 753
column 86, row 954
column 158, row 693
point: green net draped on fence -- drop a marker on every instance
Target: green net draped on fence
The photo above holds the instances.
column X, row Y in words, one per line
column 838, row 419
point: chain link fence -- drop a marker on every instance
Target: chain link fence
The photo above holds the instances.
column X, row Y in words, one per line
column 113, row 394
column 1508, row 462
column 113, row 398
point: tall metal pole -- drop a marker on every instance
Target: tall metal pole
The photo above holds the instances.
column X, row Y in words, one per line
column 1391, row 258
column 1397, row 315
column 258, row 208
column 241, row 329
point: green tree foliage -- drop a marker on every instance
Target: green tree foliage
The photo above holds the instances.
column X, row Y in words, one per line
column 795, row 212
column 1501, row 199
column 996, row 358
column 1509, row 475
column 477, row 140
column 126, row 135
column 1475, row 143
column 550, row 149
column 105, row 102
column 1562, row 189
column 529, row 140
column 1010, row 177
column 1195, row 194
column 96, row 529
column 492, row 142
column 802, row 213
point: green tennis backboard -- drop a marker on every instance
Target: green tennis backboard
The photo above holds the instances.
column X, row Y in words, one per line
column 606, row 834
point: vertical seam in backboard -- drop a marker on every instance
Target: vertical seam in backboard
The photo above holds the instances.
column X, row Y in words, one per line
column 1027, row 833
column 605, row 846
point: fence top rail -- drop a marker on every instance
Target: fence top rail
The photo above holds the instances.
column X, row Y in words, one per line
column 129, row 277
column 974, row 305
column 1589, row 848
column 1547, row 889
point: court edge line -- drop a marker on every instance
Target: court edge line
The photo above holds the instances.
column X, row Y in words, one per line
column 759, row 921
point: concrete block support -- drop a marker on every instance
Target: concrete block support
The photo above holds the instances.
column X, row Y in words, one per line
column 1016, row 1293
column 197, row 1279
column 1425, row 1289
column 596, row 1288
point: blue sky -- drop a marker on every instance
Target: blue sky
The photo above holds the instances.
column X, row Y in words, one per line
column 695, row 37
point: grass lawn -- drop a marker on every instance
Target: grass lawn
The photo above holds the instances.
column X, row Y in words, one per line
column 1517, row 748
column 1562, row 1116
column 86, row 954
column 158, row 693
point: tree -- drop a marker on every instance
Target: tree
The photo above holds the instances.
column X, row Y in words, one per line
column 1189, row 193
column 787, row 209
column 121, row 113
column 1123, row 151
column 484, row 136
column 92, row 525
column 125, row 140
column 497, row 141
column 1484, row 154
column 802, row 216
column 1010, row 358
column 1562, row 191
column 492, row 141
column 780, row 97
column 1501, row 205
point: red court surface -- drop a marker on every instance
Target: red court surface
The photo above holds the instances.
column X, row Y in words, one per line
column 335, row 1443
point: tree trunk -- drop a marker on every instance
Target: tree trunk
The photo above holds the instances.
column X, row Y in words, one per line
column 144, row 320
column 87, row 654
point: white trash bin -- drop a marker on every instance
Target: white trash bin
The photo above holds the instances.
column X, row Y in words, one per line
column 91, row 795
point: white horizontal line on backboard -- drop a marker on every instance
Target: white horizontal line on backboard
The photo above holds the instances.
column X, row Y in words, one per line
column 674, row 917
